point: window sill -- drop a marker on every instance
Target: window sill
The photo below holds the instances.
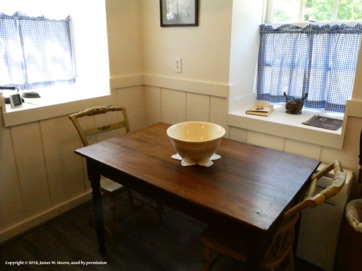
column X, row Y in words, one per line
column 281, row 124
column 50, row 105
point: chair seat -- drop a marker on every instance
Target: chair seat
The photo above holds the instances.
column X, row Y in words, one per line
column 110, row 186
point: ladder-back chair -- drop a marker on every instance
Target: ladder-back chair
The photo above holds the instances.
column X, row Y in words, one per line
column 85, row 132
column 279, row 250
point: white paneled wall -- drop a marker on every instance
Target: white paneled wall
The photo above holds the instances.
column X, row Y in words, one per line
column 153, row 104
column 62, row 166
column 30, row 160
column 265, row 140
column 197, row 107
column 312, row 151
column 301, row 148
column 348, row 155
column 11, row 202
column 218, row 111
column 40, row 174
column 133, row 99
column 172, row 106
column 41, row 177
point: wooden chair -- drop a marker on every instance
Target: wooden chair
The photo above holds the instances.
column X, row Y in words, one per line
column 85, row 132
column 279, row 250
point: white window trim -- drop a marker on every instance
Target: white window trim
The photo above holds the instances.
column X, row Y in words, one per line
column 49, row 106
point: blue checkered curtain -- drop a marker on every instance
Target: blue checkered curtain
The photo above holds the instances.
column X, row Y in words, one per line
column 318, row 60
column 35, row 52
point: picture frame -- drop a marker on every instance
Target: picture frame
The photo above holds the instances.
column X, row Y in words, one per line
column 175, row 13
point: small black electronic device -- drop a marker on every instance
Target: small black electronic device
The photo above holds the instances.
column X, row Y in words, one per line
column 15, row 100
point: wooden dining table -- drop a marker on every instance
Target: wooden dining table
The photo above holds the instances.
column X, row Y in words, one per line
column 247, row 189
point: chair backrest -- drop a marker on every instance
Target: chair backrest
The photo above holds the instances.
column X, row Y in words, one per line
column 281, row 240
column 84, row 133
column 311, row 200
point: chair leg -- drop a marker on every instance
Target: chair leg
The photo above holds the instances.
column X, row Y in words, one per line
column 288, row 263
column 206, row 260
column 291, row 264
column 112, row 220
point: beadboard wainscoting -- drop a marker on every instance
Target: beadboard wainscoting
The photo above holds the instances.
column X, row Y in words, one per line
column 41, row 177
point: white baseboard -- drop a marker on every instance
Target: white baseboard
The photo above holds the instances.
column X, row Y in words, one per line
column 45, row 216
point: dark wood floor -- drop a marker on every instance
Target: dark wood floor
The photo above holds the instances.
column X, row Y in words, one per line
column 142, row 244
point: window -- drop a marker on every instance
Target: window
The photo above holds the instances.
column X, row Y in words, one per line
column 320, row 60
column 89, row 54
column 35, row 51
column 313, row 10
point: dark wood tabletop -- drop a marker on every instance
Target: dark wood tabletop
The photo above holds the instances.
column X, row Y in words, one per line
column 248, row 187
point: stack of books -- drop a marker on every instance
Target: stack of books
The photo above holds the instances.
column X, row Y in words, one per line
column 260, row 109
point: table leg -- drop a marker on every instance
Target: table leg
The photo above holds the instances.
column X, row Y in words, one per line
column 94, row 178
column 256, row 250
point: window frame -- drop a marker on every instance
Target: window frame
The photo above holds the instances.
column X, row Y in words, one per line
column 242, row 91
column 267, row 15
column 331, row 105
column 92, row 75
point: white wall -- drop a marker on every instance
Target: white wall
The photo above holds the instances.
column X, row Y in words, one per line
column 124, row 38
column 246, row 18
column 204, row 49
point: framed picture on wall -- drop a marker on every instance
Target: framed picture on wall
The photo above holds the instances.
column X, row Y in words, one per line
column 179, row 12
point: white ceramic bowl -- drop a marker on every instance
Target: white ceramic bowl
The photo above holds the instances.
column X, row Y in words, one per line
column 195, row 140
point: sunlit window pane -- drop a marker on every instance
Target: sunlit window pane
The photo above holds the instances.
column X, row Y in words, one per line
column 285, row 11
column 293, row 11
column 318, row 10
column 350, row 10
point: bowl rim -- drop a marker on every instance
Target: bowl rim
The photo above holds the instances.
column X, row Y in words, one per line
column 201, row 122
